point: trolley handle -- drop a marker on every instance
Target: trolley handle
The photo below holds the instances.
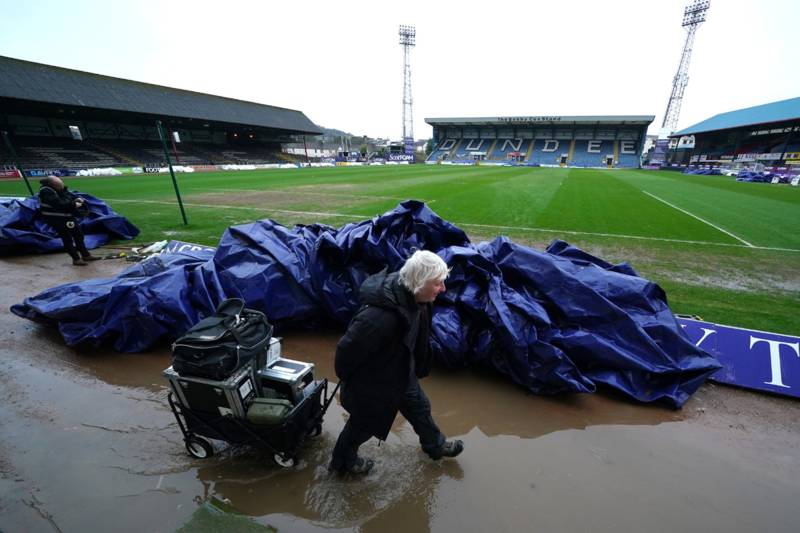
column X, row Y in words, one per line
column 329, row 399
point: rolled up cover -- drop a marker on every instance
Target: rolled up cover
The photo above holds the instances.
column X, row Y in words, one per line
column 554, row 321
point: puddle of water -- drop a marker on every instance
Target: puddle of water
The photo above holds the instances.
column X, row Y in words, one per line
column 87, row 442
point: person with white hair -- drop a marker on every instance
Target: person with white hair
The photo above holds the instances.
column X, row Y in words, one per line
column 382, row 356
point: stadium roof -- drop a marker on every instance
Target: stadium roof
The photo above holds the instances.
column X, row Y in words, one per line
column 750, row 116
column 550, row 120
column 24, row 80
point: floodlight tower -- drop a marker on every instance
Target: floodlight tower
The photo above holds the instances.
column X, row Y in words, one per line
column 693, row 16
column 408, row 36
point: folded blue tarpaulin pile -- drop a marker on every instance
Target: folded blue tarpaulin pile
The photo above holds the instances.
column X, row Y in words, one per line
column 554, row 321
column 23, row 232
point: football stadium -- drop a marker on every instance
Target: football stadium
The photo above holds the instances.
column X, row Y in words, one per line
column 619, row 328
column 534, row 179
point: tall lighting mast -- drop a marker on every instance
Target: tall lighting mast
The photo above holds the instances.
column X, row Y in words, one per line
column 693, row 16
column 408, row 36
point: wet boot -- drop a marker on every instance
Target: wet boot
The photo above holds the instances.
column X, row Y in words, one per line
column 90, row 257
column 79, row 262
column 450, row 448
column 360, row 467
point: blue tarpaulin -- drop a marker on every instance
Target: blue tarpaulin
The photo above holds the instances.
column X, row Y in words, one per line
column 23, row 232
column 554, row 321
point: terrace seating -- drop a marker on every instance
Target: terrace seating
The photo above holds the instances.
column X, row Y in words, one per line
column 550, row 157
column 503, row 147
column 443, row 149
column 132, row 152
column 628, row 160
column 582, row 157
column 50, row 152
column 471, row 145
column 251, row 154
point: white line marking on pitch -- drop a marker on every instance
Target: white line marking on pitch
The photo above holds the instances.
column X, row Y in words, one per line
column 623, row 236
column 700, row 219
column 519, row 228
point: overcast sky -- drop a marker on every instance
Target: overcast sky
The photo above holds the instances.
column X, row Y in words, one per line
column 341, row 64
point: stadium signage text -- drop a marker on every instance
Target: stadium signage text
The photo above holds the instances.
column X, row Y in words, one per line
column 151, row 170
column 550, row 145
column 178, row 247
column 37, row 173
column 400, row 157
column 205, row 168
column 529, row 119
column 751, row 359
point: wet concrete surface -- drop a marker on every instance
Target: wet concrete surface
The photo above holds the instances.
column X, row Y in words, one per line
column 88, row 443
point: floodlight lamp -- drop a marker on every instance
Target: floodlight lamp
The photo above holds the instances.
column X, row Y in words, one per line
column 407, row 35
column 695, row 13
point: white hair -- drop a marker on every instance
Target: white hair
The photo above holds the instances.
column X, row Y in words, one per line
column 420, row 268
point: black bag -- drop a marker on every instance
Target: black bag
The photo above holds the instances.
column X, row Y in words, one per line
column 222, row 343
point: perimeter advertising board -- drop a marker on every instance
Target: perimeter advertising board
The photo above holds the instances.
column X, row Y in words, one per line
column 751, row 359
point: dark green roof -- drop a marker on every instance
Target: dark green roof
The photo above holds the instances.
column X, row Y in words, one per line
column 37, row 82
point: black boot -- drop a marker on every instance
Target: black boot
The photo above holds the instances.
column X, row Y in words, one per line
column 360, row 467
column 450, row 448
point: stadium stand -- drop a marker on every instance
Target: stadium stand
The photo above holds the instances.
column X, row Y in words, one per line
column 547, row 151
column 582, row 141
column 591, row 153
column 763, row 136
column 503, row 149
column 628, row 160
column 252, row 155
column 440, row 152
column 468, row 148
column 42, row 107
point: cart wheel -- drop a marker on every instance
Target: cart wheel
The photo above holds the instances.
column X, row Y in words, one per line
column 316, row 431
column 283, row 463
column 199, row 448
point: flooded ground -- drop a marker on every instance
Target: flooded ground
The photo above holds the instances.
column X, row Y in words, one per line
column 88, row 443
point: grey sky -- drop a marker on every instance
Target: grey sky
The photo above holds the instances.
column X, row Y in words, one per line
column 341, row 64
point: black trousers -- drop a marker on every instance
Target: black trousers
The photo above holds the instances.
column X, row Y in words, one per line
column 73, row 240
column 416, row 408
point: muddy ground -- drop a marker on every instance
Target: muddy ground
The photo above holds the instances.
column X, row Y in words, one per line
column 87, row 443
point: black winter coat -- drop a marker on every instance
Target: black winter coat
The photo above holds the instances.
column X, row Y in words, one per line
column 58, row 207
column 373, row 357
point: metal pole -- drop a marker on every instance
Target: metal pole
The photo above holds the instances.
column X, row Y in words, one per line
column 161, row 136
column 305, row 146
column 16, row 163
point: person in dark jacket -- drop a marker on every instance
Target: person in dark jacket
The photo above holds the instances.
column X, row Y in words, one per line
column 381, row 357
column 60, row 209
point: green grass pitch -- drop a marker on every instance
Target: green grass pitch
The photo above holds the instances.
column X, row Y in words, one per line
column 726, row 251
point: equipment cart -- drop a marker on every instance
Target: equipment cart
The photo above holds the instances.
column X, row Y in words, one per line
column 218, row 410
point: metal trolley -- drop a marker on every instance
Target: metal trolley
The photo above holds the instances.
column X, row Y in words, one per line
column 283, row 440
